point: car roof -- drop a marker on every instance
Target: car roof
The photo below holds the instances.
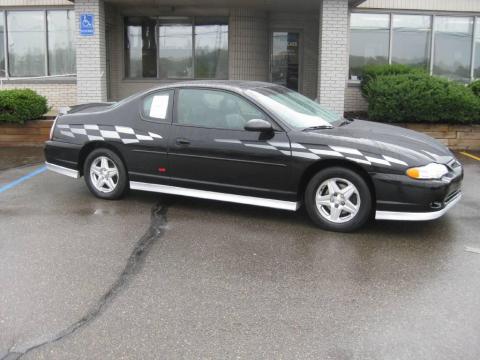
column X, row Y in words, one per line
column 234, row 85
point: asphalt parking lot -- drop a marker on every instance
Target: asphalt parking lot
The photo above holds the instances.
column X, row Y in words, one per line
column 156, row 277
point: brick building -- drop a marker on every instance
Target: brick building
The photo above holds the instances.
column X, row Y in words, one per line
column 98, row 50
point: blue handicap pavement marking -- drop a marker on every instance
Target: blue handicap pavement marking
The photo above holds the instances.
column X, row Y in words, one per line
column 86, row 25
column 24, row 178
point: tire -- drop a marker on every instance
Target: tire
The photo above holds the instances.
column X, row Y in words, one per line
column 334, row 207
column 105, row 174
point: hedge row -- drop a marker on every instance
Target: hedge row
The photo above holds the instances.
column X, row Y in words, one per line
column 20, row 105
column 402, row 94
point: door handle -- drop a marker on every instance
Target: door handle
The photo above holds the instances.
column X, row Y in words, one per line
column 182, row 141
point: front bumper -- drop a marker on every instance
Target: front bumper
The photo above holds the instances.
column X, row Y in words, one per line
column 402, row 198
column 418, row 216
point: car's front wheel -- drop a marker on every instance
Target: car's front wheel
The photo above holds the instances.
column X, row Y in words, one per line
column 105, row 174
column 338, row 199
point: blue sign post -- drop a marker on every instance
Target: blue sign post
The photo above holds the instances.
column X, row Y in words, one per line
column 86, row 25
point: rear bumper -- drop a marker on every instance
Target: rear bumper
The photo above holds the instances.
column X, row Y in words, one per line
column 418, row 216
column 62, row 170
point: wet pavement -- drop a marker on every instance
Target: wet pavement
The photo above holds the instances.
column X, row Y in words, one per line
column 155, row 277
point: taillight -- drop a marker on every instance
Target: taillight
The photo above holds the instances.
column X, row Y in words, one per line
column 52, row 129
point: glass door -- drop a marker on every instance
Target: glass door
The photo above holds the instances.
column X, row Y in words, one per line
column 285, row 59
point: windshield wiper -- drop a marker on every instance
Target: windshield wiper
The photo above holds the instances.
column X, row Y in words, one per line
column 318, row 127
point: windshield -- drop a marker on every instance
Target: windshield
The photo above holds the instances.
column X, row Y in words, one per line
column 294, row 109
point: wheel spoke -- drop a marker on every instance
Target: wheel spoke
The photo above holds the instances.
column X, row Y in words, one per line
column 96, row 170
column 348, row 191
column 112, row 172
column 110, row 184
column 332, row 187
column 100, row 182
column 323, row 200
column 349, row 207
column 335, row 213
column 104, row 163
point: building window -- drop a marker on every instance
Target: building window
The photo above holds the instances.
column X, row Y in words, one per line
column 440, row 44
column 61, row 40
column 175, row 44
column 176, row 48
column 453, row 47
column 26, row 43
column 2, row 44
column 140, row 48
column 211, row 48
column 39, row 43
column 411, row 40
column 476, row 71
column 369, row 41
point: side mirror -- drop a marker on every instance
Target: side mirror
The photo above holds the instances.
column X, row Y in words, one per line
column 258, row 125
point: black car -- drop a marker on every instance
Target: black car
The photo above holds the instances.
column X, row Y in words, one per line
column 255, row 143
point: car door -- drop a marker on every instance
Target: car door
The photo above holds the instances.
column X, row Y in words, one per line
column 147, row 148
column 209, row 148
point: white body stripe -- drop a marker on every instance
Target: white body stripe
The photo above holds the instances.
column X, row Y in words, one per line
column 377, row 161
column 360, row 161
column 279, row 144
column 297, row 146
column 156, row 136
column 95, row 137
column 230, row 141
column 307, row 155
column 110, row 134
column 260, row 146
column 67, row 133
column 130, row 141
column 124, row 130
column 79, row 131
column 91, row 127
column 346, row 150
column 395, row 161
column 326, row 152
column 144, row 137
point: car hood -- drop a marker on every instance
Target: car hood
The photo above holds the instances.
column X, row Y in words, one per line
column 381, row 139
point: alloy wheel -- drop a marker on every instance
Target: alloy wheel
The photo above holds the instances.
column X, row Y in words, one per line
column 104, row 174
column 337, row 200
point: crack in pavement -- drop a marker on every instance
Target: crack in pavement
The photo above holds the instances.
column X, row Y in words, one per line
column 134, row 264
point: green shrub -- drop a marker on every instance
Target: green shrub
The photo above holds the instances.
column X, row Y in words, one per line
column 475, row 87
column 19, row 105
column 420, row 98
column 371, row 72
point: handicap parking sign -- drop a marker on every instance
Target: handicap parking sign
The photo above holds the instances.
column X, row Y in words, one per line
column 86, row 25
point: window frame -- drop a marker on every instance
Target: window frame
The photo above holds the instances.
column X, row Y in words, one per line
column 191, row 20
column 433, row 14
column 44, row 10
column 275, row 125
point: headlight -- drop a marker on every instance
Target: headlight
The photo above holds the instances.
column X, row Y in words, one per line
column 430, row 171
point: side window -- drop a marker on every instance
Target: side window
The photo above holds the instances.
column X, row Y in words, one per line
column 156, row 106
column 215, row 109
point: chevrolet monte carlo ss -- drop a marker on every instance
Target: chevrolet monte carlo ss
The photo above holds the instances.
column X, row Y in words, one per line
column 259, row 144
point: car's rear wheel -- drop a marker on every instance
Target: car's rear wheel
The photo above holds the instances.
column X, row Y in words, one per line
column 105, row 174
column 338, row 199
